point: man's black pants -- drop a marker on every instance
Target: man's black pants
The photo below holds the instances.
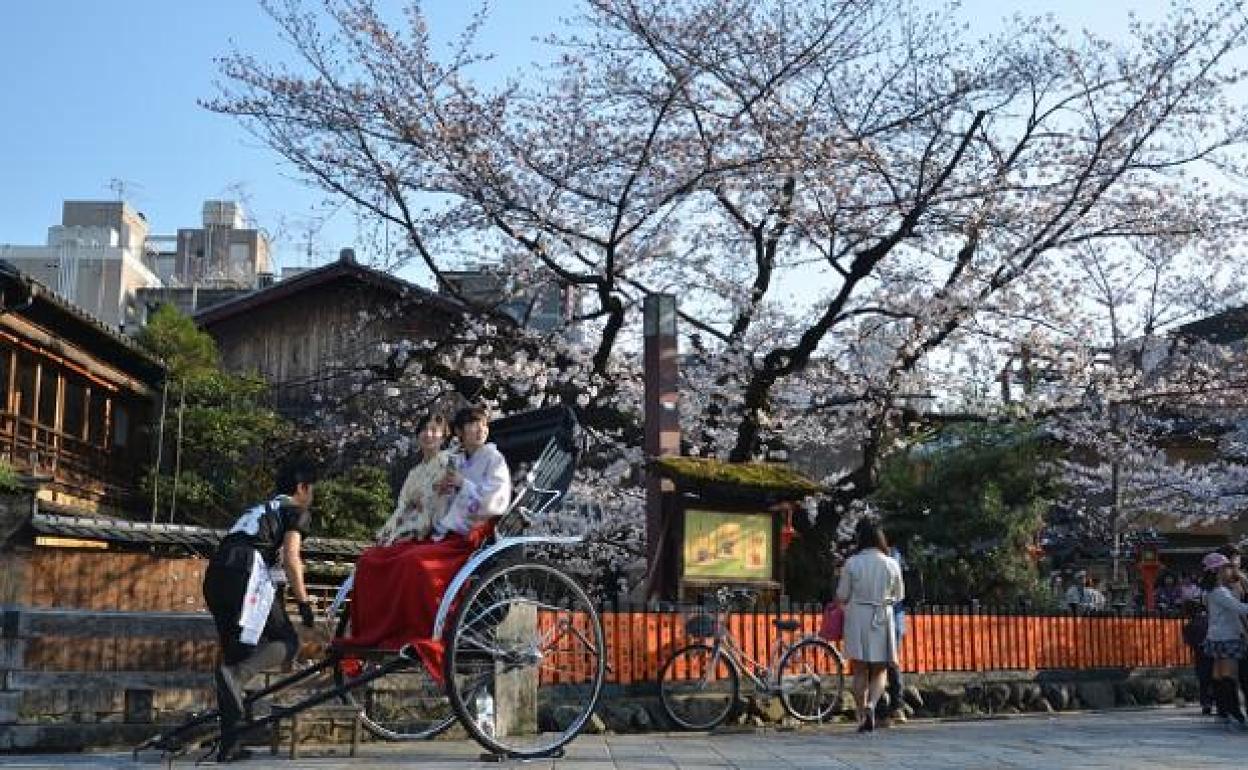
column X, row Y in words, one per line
column 225, row 586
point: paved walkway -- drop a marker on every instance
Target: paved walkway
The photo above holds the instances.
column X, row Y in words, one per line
column 1159, row 738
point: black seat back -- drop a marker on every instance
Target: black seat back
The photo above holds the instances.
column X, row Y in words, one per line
column 524, row 436
column 542, row 489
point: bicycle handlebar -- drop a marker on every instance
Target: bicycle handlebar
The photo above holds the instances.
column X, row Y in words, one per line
column 724, row 595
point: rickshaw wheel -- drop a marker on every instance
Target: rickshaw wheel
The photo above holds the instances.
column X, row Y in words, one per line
column 525, row 661
column 406, row 705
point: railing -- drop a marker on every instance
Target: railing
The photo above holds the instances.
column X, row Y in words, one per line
column 36, row 448
column 640, row 640
column 962, row 639
column 115, row 674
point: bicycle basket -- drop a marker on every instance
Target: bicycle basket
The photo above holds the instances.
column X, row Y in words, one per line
column 701, row 626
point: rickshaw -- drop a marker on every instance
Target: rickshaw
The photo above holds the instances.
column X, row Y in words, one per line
column 524, row 651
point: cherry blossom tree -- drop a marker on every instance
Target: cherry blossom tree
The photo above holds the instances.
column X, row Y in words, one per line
column 842, row 193
column 1142, row 396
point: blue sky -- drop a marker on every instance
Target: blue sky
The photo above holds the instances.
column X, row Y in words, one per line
column 95, row 91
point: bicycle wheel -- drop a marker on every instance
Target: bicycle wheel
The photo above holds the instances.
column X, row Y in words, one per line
column 812, row 680
column 525, row 660
column 406, row 705
column 698, row 687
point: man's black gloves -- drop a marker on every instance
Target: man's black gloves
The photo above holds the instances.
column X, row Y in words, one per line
column 305, row 614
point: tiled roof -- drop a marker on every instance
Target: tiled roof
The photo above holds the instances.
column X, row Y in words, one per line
column 334, row 271
column 1229, row 326
column 72, row 323
column 144, row 533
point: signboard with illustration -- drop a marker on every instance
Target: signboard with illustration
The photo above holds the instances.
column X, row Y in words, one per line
column 736, row 546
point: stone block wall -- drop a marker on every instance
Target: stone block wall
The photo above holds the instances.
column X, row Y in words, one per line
column 935, row 696
column 69, row 679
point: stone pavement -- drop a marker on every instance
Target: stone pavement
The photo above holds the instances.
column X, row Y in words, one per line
column 1155, row 738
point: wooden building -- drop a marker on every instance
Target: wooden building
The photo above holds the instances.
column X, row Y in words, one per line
column 310, row 336
column 76, row 398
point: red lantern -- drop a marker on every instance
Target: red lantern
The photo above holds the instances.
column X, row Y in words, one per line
column 787, row 532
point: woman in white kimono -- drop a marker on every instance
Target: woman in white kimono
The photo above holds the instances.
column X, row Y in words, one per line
column 478, row 477
column 870, row 585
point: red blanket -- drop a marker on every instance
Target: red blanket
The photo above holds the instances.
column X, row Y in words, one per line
column 397, row 592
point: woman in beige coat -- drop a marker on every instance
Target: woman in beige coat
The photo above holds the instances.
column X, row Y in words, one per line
column 870, row 585
column 420, row 504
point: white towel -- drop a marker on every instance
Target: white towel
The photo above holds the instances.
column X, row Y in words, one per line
column 257, row 602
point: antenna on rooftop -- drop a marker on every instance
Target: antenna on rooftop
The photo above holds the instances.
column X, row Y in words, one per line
column 122, row 188
column 240, row 192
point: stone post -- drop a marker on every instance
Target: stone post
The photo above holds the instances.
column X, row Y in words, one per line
column 515, row 689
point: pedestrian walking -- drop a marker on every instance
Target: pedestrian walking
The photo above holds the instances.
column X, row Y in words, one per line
column 1195, row 629
column 1189, row 590
column 1083, row 595
column 1224, row 642
column 1167, row 596
column 870, row 585
column 1240, row 590
column 896, row 713
column 1207, row 581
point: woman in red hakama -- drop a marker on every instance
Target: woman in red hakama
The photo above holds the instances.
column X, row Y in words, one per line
column 445, row 511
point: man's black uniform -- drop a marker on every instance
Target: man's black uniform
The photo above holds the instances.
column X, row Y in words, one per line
column 261, row 530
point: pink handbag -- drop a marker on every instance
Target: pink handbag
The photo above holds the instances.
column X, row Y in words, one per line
column 833, row 628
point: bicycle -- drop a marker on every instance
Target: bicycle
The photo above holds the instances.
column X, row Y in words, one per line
column 700, row 684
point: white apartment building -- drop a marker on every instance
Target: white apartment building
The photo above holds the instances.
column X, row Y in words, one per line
column 103, row 258
column 94, row 259
column 223, row 253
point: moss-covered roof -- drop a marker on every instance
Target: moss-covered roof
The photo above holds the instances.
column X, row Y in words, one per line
column 762, row 477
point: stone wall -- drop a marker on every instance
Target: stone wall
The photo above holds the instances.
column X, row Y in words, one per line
column 61, row 685
column 635, row 709
column 83, row 678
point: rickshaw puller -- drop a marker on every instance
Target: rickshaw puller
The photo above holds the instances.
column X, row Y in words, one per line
column 241, row 589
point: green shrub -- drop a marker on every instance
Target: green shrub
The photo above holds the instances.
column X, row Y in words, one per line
column 10, row 481
column 966, row 508
column 353, row 505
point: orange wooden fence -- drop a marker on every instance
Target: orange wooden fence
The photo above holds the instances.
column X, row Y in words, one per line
column 640, row 640
column 980, row 641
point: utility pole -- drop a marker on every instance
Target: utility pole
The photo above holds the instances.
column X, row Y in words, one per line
column 160, row 449
column 177, row 458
